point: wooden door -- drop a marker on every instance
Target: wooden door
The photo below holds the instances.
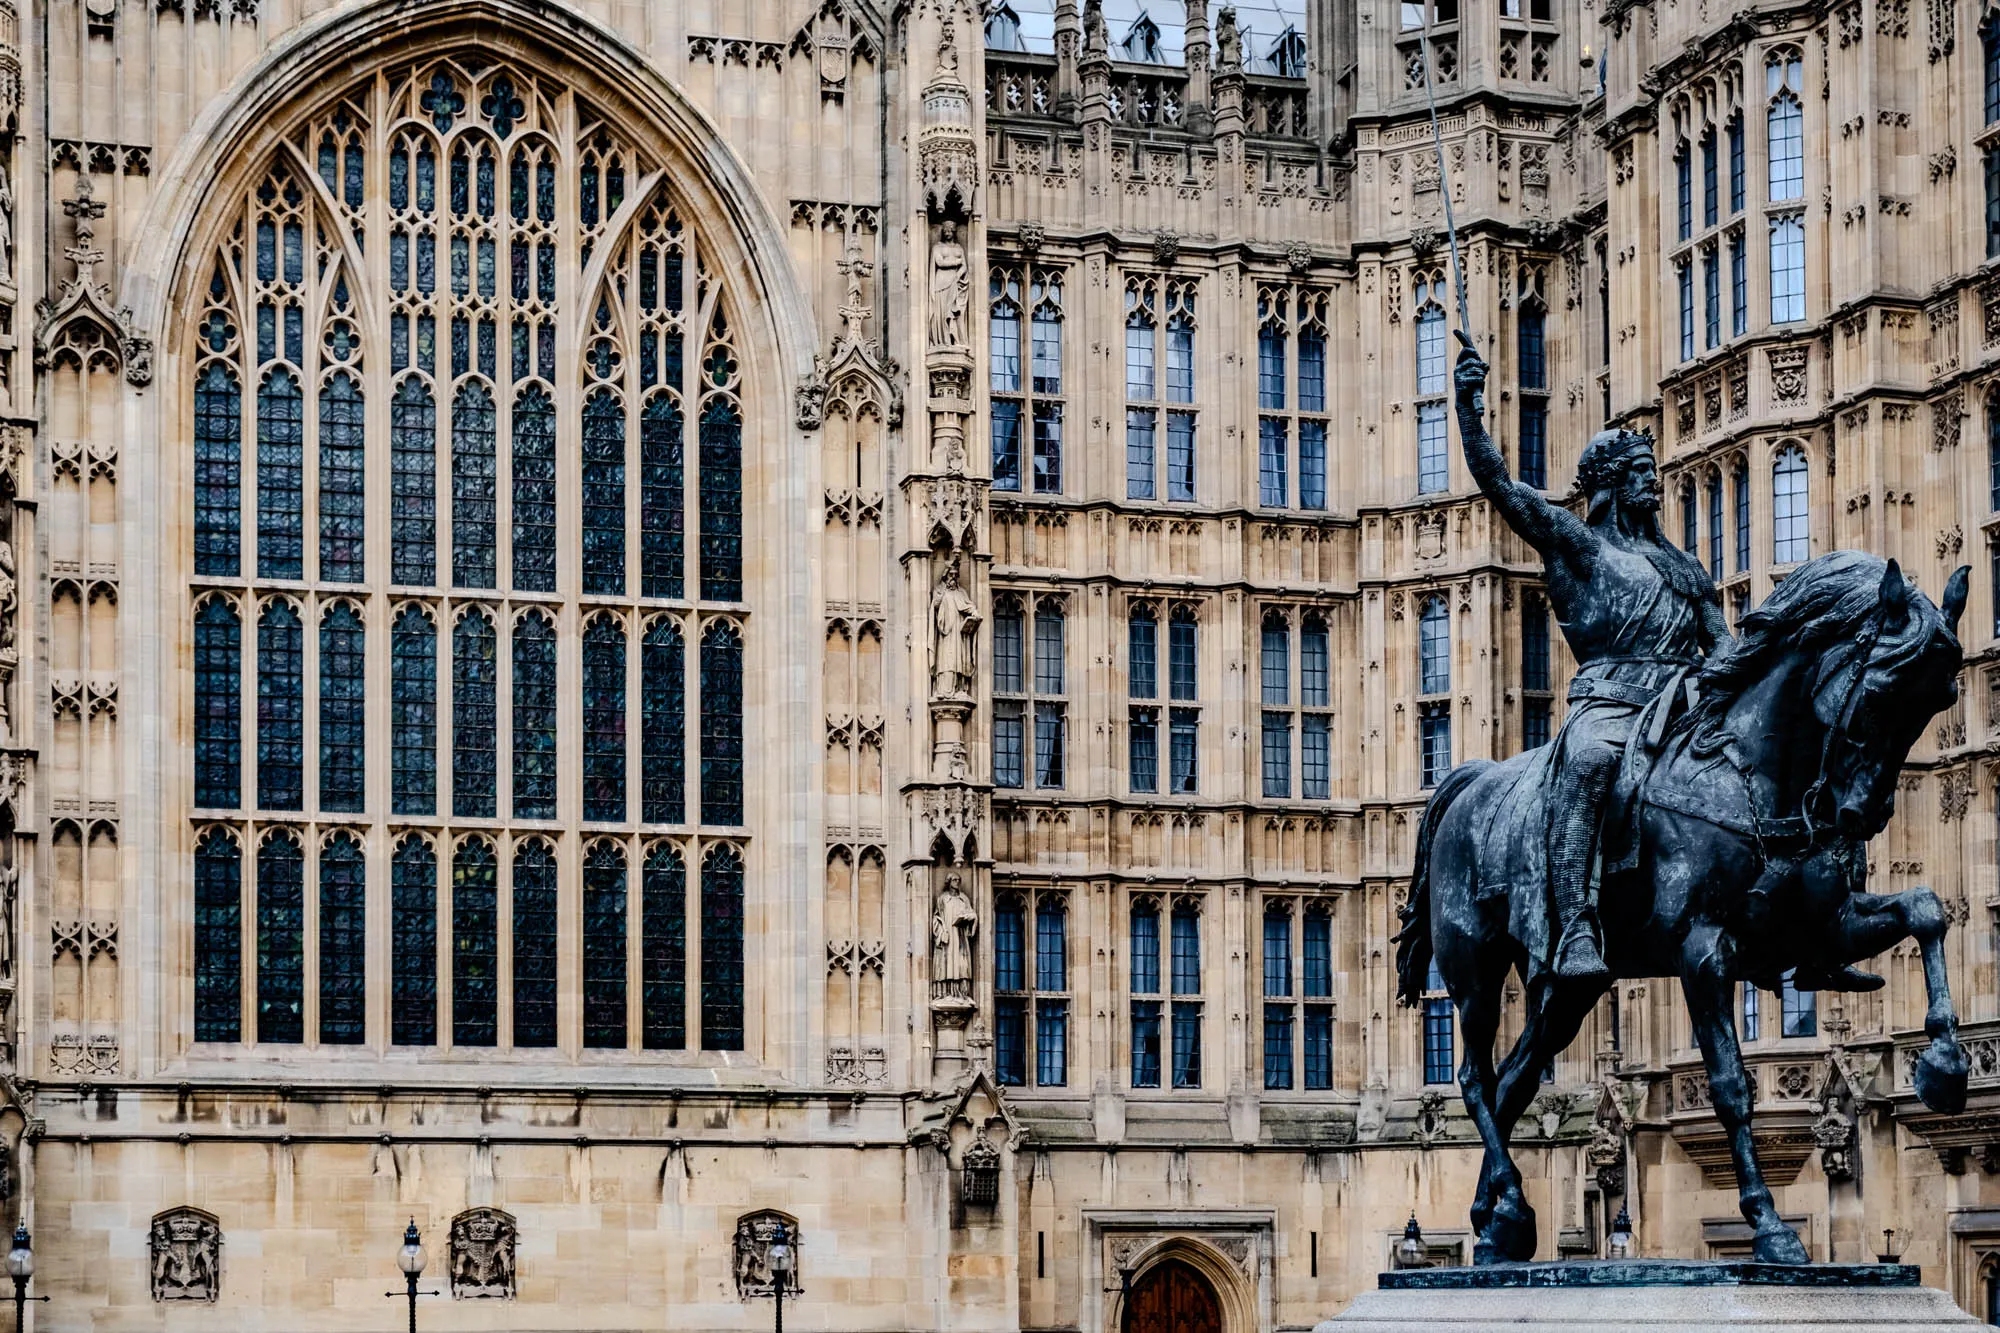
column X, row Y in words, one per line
column 1173, row 1298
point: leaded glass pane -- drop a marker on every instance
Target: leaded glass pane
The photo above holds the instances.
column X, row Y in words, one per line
column 281, row 940
column 413, row 484
column 1146, row 951
column 281, row 709
column 662, row 487
column 281, row 470
column 218, row 472
column 343, row 491
column 604, row 947
column 343, row 942
column 534, row 717
column 534, row 490
column 413, row 714
column 413, row 945
column 604, row 720
column 343, row 718
column 218, row 938
column 603, row 493
column 474, row 494
column 721, row 725
column 663, row 950
column 218, row 706
column 475, row 948
column 721, row 501
column 722, row 950
column 475, row 713
column 534, row 946
column 663, row 734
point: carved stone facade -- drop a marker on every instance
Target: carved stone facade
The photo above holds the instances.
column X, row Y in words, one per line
column 1106, row 598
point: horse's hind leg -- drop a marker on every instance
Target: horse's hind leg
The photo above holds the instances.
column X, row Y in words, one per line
column 1500, row 1212
column 1870, row 923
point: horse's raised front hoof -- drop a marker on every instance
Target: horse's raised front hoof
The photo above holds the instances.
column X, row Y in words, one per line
column 1940, row 1076
column 1509, row 1237
column 1780, row 1245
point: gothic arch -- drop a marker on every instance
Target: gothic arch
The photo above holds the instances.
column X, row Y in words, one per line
column 1235, row 1291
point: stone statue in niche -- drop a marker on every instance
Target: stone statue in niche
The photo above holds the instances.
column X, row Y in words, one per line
column 755, row 1234
column 10, row 882
column 6, row 223
column 951, row 288
column 954, row 626
column 954, row 928
column 482, row 1254
column 186, row 1246
column 9, row 598
column 1096, row 36
column 1228, row 41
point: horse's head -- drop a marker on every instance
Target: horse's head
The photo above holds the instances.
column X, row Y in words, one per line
column 1875, row 690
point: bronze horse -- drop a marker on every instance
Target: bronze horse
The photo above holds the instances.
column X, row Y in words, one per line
column 1740, row 855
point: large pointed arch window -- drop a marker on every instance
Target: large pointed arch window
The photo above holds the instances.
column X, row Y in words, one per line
column 462, row 374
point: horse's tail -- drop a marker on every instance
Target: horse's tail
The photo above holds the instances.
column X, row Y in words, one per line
column 1413, row 941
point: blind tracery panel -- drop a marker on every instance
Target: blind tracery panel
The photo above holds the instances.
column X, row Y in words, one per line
column 467, row 297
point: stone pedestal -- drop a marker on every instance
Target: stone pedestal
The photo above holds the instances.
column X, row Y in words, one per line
column 1682, row 1295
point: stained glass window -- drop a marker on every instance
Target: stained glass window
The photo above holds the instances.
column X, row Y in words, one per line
column 534, row 490
column 534, row 945
column 343, row 723
column 474, row 493
column 475, row 709
column 281, row 940
column 413, row 714
column 475, row 950
column 413, row 981
column 663, row 949
column 603, row 493
column 604, row 946
column 721, row 501
column 604, row 719
column 218, row 471
column 281, row 708
column 218, row 938
column 534, row 717
column 721, row 724
column 280, row 477
column 663, row 729
column 218, row 705
column 412, row 484
column 722, row 949
column 343, row 489
column 662, row 476
column 343, row 942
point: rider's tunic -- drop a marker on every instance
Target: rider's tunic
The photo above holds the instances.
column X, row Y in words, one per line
column 1630, row 632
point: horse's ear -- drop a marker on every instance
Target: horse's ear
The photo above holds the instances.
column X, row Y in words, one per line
column 1893, row 591
column 1956, row 589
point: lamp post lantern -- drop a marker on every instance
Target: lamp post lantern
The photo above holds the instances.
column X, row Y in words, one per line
column 782, row 1264
column 1410, row 1251
column 21, row 1267
column 1620, row 1245
column 411, row 1260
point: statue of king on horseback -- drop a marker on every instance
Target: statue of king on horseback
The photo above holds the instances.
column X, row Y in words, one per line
column 1703, row 812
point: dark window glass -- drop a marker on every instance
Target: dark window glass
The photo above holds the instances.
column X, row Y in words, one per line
column 1312, row 464
column 721, row 725
column 1047, row 338
column 604, row 720
column 1051, row 946
column 1535, row 442
column 343, row 942
column 1801, row 1010
column 1278, row 1046
column 722, row 950
column 662, row 477
column 1051, row 744
column 1272, row 484
column 1051, row 1043
column 603, row 494
column 1434, row 739
column 475, row 711
column 1316, row 757
column 475, row 945
column 1989, row 44
column 1277, row 954
column 1740, row 483
column 343, row 723
column 281, row 469
column 1180, row 654
column 1753, row 1017
column 343, row 490
column 1710, row 182
column 1711, row 298
column 1187, row 1045
column 474, row 494
column 1275, row 660
column 1145, row 950
column 1183, row 754
column 1434, row 646
column 281, row 708
column 1319, row 1048
column 1141, row 425
column 1186, row 972
column 218, row 707
column 1312, row 369
column 1534, row 348
column 1535, row 721
column 218, row 472
column 1318, row 978
column 1145, row 1043
column 534, row 946
column 1008, row 651
column 1009, row 746
column 218, row 938
column 1049, row 627
column 663, row 950
column 1534, row 643
column 1277, row 755
column 1180, row 457
column 1439, row 1058
column 1010, row 1059
column 1736, row 171
column 663, row 740
column 413, row 714
column 1006, row 430
column 413, row 945
column 1004, row 345
column 1684, row 191
column 1433, row 450
column 1685, row 277
column 604, row 947
column 721, row 501
column 1008, row 965
column 1143, row 631
column 534, row 490
column 1048, row 458
column 1715, row 526
column 1991, row 159
column 281, row 940
column 1315, row 681
column 413, row 484
column 534, row 717
column 1271, row 368
column 1145, row 749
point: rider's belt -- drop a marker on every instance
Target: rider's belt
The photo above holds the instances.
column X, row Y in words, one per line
column 1618, row 691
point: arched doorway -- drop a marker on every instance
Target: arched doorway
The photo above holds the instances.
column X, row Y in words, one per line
column 1173, row 1298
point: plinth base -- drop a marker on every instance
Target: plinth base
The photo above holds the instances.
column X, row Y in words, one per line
column 1686, row 1296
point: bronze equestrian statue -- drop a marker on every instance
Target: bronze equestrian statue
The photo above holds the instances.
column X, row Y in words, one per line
column 1703, row 812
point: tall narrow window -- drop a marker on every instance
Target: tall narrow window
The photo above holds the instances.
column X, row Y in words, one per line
column 1714, row 493
column 1534, row 643
column 722, row 949
column 1009, row 679
column 1024, row 404
column 218, row 470
column 1534, row 378
column 534, row 940
column 1711, row 297
column 1711, row 199
column 475, row 713
column 413, row 484
column 534, row 490
column 281, row 708
column 1993, row 452
column 1690, row 521
column 1989, row 54
column 343, row 942
column 218, row 706
column 1051, row 979
column 1186, row 1008
column 1316, row 723
column 413, row 960
column 1785, row 126
column 1145, row 930
column 1433, row 446
column 1182, row 687
column 534, row 721
column 1684, row 190
column 1739, row 285
column 1434, row 646
column 1799, row 1015
column 1736, row 169
column 1684, row 279
column 1316, row 979
column 474, row 488
column 343, row 506
column 1051, row 717
column 662, row 483
column 281, row 467
column 281, row 939
column 1791, row 539
column 413, row 713
column 475, row 948
column 721, row 500
column 1275, row 653
column 663, row 950
column 1312, row 403
column 663, row 739
column 1142, row 677
column 1788, row 269
column 1010, row 1061
column 604, row 719
column 1279, row 1018
column 604, row 946
column 1740, row 483
column 721, row 724
column 1990, row 169
column 1440, row 1058
column 343, row 727
column 603, row 493
column 218, row 937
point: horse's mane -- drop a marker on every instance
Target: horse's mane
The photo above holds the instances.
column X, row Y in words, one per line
column 1823, row 602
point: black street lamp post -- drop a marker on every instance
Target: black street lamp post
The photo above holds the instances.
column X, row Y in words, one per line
column 782, row 1265
column 21, row 1267
column 411, row 1260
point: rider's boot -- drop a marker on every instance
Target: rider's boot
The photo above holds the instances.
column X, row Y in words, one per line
column 1841, row 977
column 1579, row 952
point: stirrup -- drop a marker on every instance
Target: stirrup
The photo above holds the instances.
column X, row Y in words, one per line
column 1578, row 954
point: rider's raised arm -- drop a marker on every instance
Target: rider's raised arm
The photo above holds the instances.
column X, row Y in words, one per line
column 1550, row 529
